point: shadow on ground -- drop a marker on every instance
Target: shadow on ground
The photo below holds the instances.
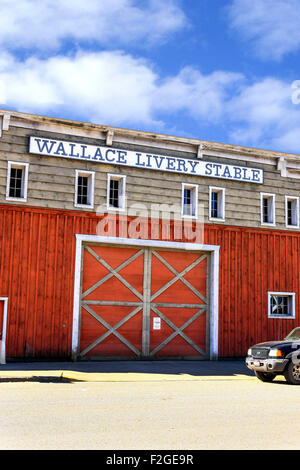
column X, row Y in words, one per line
column 194, row 368
column 43, row 379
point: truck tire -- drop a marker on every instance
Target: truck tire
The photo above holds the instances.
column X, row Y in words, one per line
column 264, row 376
column 292, row 373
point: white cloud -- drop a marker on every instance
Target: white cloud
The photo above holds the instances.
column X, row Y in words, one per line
column 43, row 25
column 105, row 87
column 272, row 26
column 264, row 115
column 114, row 88
column 203, row 96
column 111, row 88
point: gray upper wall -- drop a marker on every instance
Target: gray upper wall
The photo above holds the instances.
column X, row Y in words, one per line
column 51, row 180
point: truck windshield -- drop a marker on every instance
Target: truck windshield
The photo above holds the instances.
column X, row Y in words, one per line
column 294, row 335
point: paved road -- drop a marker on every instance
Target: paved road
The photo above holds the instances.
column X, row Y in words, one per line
column 203, row 412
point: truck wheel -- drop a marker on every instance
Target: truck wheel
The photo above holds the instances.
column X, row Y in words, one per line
column 264, row 376
column 292, row 373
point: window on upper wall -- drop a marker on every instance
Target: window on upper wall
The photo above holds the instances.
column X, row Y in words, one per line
column 281, row 304
column 292, row 211
column 116, row 192
column 216, row 203
column 17, row 181
column 84, row 189
column 189, row 200
column 267, row 203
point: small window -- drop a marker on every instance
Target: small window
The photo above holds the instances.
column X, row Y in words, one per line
column 267, row 209
column 216, row 203
column 17, row 180
column 292, row 211
column 116, row 192
column 84, row 189
column 281, row 304
column 189, row 200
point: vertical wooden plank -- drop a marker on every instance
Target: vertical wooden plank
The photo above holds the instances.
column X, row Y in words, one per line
column 146, row 302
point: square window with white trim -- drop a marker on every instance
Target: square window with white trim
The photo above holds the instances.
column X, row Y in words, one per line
column 292, row 211
column 267, row 208
column 281, row 304
column 17, row 181
column 116, row 185
column 189, row 200
column 216, row 203
column 84, row 189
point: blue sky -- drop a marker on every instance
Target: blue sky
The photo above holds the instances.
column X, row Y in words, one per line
column 224, row 71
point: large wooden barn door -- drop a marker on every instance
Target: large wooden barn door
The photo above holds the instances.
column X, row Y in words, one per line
column 143, row 303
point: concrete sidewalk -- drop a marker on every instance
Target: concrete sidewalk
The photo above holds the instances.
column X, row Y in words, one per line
column 125, row 371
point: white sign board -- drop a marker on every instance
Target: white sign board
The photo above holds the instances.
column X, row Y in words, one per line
column 156, row 323
column 102, row 154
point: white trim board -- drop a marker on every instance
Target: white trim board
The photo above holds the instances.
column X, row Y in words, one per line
column 124, row 136
column 3, row 326
column 214, row 280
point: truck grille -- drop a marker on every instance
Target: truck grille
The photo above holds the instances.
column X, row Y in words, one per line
column 260, row 353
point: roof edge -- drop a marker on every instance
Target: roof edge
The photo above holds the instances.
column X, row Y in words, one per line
column 207, row 145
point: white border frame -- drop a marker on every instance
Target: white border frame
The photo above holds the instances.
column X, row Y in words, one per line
column 91, row 186
column 270, row 196
column 296, row 199
column 25, row 167
column 4, row 327
column 122, row 196
column 194, row 188
column 283, row 317
column 214, row 280
column 221, row 191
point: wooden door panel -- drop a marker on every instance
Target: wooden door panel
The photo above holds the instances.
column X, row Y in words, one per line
column 180, row 301
column 111, row 302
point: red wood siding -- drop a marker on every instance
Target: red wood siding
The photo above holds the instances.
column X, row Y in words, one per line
column 253, row 262
column 37, row 260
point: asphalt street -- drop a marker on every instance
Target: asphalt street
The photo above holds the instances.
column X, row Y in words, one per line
column 178, row 410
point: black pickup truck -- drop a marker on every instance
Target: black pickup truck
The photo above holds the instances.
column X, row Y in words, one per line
column 277, row 358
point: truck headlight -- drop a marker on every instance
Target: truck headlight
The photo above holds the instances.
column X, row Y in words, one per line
column 275, row 353
column 249, row 352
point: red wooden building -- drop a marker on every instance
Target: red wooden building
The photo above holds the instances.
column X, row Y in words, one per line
column 121, row 244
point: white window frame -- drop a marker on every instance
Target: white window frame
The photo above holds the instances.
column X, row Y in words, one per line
column 194, row 195
column 221, row 204
column 272, row 213
column 122, row 194
column 292, row 304
column 25, row 168
column 295, row 199
column 91, row 184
